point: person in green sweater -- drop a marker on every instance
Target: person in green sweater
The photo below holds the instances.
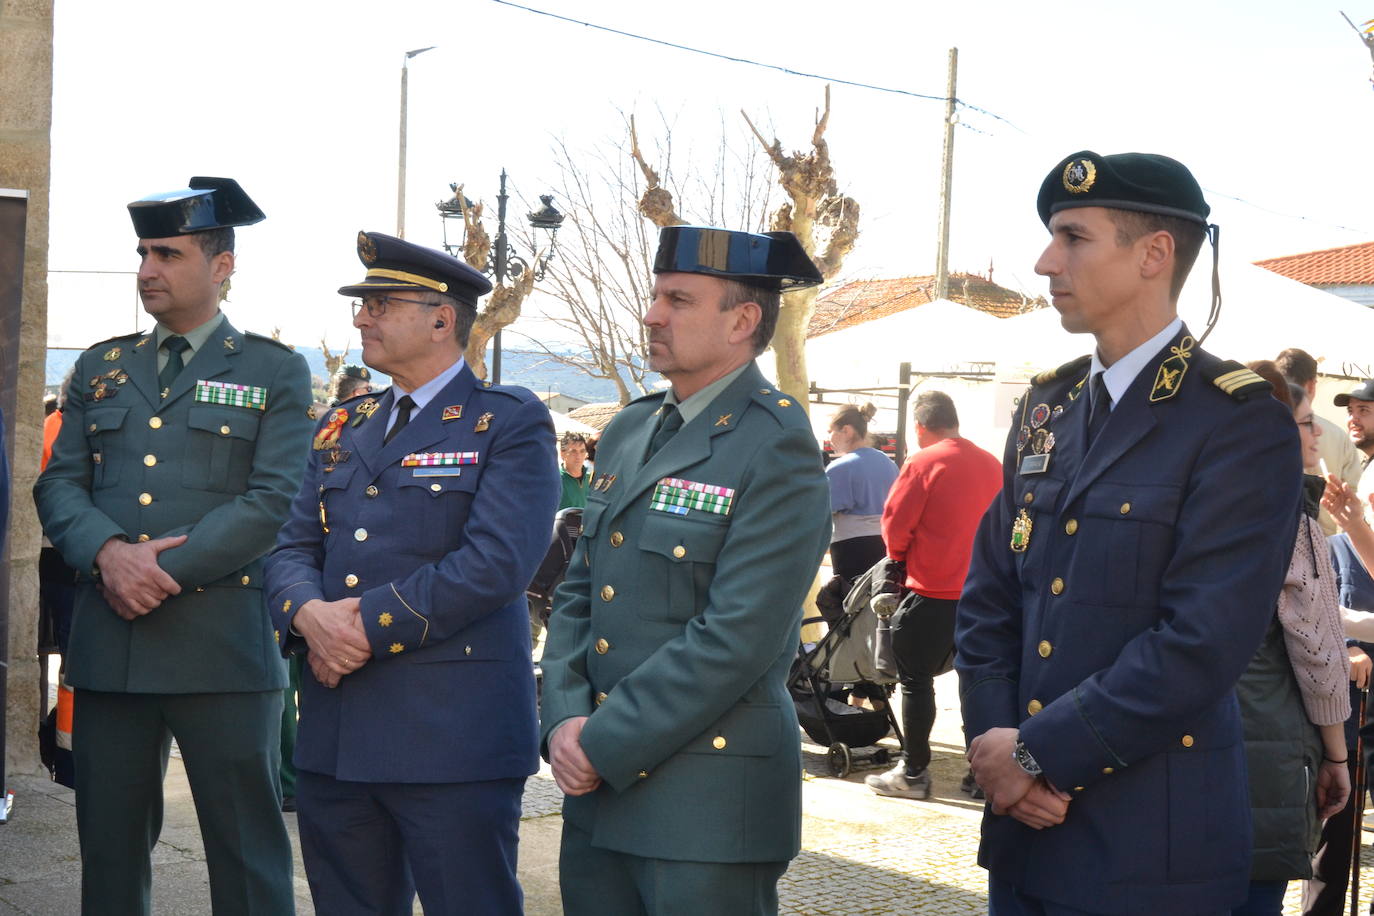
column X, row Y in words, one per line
column 572, row 448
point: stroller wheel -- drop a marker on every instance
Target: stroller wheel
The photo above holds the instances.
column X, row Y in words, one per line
column 841, row 762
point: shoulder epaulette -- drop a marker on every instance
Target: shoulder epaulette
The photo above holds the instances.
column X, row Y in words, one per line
column 518, row 392
column 1236, row 380
column 782, row 406
column 109, row 340
column 1072, row 367
column 272, row 340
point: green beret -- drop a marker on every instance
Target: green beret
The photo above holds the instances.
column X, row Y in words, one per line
column 1145, row 182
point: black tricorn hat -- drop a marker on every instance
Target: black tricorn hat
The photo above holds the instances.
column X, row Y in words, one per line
column 1145, row 182
column 206, row 203
column 355, row 372
column 394, row 265
column 768, row 260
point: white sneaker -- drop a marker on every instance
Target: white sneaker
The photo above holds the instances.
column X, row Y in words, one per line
column 896, row 784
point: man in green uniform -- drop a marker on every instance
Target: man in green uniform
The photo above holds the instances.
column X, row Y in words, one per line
column 179, row 454
column 665, row 713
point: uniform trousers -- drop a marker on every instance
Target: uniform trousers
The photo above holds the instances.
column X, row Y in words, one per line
column 1005, row 900
column 370, row 847
column 602, row 882
column 922, row 637
column 229, row 745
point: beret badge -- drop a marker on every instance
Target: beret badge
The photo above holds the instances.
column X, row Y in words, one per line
column 367, row 249
column 1079, row 176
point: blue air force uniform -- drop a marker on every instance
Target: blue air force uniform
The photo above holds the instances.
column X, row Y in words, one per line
column 1117, row 590
column 410, row 770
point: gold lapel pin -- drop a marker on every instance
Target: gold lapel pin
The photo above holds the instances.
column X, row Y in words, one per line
column 724, row 419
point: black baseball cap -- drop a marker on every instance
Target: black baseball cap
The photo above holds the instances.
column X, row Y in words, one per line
column 1362, row 392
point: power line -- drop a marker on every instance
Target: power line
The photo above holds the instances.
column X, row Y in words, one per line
column 755, row 63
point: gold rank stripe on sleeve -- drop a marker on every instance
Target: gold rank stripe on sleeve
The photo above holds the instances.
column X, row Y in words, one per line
column 1236, row 379
column 425, row 634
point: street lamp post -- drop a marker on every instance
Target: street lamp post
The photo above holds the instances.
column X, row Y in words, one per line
column 503, row 261
column 401, row 159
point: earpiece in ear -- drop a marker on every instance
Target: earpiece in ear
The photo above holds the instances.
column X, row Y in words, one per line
column 439, row 324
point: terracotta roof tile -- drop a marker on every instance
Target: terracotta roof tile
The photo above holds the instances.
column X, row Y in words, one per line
column 1347, row 265
column 599, row 415
column 864, row 300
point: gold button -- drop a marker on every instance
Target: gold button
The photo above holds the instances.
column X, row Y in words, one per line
column 607, row 593
column 617, row 539
column 372, row 492
column 145, row 499
column 467, row 650
column 1187, row 740
column 1126, row 508
column 224, row 430
column 155, row 422
column 765, row 391
column 1034, row 706
column 1071, row 526
column 602, row 647
column 143, row 539
column 351, row 580
column 276, row 634
column 600, row 698
column 1078, row 788
column 245, row 580
column 360, row 534
column 436, row 487
column 643, row 774
column 200, row 588
column 1057, row 586
column 149, row 460
column 1107, row 771
column 1045, row 648
column 1029, row 497
column 784, row 402
column 679, row 551
column 718, row 742
column 93, row 427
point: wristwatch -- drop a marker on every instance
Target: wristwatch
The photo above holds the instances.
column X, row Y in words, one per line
column 1024, row 759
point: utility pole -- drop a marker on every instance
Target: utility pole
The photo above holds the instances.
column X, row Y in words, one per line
column 401, row 158
column 946, row 181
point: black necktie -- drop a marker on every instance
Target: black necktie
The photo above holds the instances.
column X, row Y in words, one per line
column 669, row 422
column 1100, row 408
column 175, row 346
column 402, row 411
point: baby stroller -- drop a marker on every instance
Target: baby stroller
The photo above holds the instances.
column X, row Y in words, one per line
column 845, row 658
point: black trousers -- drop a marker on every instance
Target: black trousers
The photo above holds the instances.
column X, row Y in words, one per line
column 853, row 557
column 922, row 639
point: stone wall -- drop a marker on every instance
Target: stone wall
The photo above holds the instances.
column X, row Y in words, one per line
column 25, row 153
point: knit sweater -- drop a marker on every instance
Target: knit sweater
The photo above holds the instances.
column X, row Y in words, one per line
column 1309, row 613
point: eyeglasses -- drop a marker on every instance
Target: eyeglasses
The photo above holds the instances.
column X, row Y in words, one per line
column 1310, row 423
column 376, row 305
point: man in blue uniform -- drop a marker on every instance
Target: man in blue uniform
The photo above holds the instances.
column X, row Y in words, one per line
column 665, row 715
column 401, row 575
column 178, row 455
column 1125, row 576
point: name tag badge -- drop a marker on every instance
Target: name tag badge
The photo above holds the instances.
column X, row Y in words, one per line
column 440, row 471
column 1035, row 464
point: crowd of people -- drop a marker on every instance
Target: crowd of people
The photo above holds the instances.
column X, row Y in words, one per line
column 1155, row 621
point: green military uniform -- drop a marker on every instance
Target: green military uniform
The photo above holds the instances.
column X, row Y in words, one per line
column 674, row 632
column 218, row 459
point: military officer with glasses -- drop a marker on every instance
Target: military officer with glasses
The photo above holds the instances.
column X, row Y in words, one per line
column 174, row 469
column 400, row 576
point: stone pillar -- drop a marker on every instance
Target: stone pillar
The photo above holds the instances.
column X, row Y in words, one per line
column 25, row 153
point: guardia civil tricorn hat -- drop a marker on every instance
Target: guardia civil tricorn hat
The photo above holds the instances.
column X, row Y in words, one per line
column 206, row 203
column 767, row 260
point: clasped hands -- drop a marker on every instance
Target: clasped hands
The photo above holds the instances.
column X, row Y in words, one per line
column 572, row 770
column 130, row 579
column 1032, row 800
column 334, row 631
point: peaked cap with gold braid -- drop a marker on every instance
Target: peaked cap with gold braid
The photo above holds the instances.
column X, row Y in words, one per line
column 395, row 265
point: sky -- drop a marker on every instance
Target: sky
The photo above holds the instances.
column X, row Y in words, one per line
column 1269, row 103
